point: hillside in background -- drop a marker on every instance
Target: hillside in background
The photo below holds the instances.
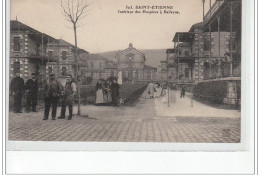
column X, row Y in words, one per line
column 153, row 56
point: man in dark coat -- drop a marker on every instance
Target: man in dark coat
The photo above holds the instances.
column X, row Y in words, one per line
column 182, row 90
column 68, row 98
column 32, row 91
column 17, row 90
column 53, row 89
column 115, row 92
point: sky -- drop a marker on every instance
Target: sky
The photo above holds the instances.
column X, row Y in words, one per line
column 104, row 29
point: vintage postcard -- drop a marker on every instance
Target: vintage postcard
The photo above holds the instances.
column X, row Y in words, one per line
column 149, row 71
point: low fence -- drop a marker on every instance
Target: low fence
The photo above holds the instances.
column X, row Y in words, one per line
column 128, row 92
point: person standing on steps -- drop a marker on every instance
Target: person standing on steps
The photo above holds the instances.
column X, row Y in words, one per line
column 17, row 90
column 68, row 98
column 32, row 91
column 53, row 89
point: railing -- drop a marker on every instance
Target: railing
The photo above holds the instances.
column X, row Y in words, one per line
column 225, row 71
column 213, row 10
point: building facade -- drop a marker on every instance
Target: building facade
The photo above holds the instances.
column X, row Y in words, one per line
column 98, row 67
column 61, row 56
column 209, row 54
column 131, row 65
column 27, row 51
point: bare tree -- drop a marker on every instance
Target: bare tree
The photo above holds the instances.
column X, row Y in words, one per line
column 74, row 11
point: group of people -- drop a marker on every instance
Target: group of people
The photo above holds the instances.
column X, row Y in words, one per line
column 154, row 89
column 53, row 92
column 18, row 88
column 107, row 92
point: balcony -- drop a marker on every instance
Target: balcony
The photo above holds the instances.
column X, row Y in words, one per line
column 224, row 71
column 216, row 6
column 37, row 55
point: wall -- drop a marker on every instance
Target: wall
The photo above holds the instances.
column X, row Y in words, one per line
column 219, row 91
column 27, row 46
column 57, row 54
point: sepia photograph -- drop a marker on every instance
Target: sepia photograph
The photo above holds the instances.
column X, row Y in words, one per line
column 132, row 71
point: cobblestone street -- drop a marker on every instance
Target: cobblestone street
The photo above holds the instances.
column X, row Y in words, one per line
column 149, row 121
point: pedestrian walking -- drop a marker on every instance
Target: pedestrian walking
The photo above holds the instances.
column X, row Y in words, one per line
column 151, row 89
column 17, row 90
column 157, row 90
column 31, row 88
column 68, row 97
column 99, row 93
column 182, row 90
column 115, row 92
column 53, row 89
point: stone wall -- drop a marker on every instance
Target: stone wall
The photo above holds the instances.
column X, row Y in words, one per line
column 221, row 91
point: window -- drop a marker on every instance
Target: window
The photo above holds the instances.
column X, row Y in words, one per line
column 100, row 74
column 16, row 44
column 50, row 70
column 92, row 64
column 92, row 74
column 63, row 71
column 64, row 55
column 180, row 52
column 186, row 72
column 16, row 67
column 50, row 53
column 187, row 52
column 206, row 44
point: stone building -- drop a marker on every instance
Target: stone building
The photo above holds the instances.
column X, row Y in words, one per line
column 131, row 64
column 62, row 61
column 98, row 67
column 208, row 56
column 27, row 51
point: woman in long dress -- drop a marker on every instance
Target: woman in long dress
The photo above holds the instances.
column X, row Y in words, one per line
column 151, row 89
column 158, row 90
column 99, row 93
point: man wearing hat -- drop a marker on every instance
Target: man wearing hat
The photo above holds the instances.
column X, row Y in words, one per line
column 53, row 89
column 31, row 88
column 68, row 98
column 17, row 90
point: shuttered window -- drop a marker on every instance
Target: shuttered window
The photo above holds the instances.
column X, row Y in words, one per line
column 50, row 70
column 17, row 67
column 16, row 44
column 64, row 55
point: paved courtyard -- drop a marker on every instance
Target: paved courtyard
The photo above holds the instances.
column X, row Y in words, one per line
column 151, row 120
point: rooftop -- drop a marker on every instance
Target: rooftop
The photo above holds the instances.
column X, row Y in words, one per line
column 183, row 37
column 196, row 26
column 18, row 26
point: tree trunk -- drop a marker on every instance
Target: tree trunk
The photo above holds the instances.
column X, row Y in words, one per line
column 77, row 64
